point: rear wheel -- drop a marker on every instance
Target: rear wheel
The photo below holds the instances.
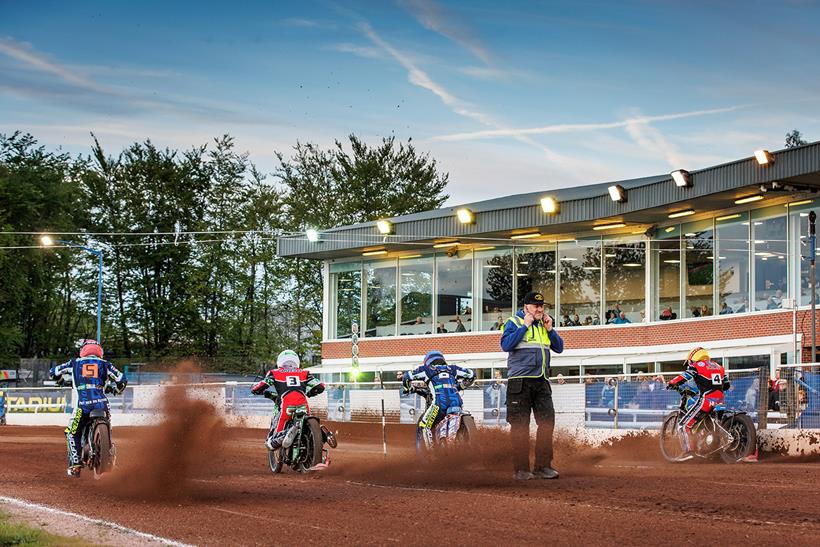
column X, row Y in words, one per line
column 744, row 437
column 311, row 443
column 101, row 439
column 670, row 438
column 468, row 432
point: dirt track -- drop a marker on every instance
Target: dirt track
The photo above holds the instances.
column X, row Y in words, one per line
column 622, row 495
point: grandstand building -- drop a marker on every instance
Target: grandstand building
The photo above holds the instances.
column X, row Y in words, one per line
column 634, row 272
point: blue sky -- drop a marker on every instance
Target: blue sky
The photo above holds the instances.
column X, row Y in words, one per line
column 508, row 97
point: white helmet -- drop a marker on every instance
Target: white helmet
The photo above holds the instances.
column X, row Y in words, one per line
column 287, row 359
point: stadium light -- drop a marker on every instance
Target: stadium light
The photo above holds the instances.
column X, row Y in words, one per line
column 682, row 178
column 526, row 236
column 748, row 199
column 550, row 206
column 445, row 244
column 46, row 240
column 312, row 235
column 375, row 252
column 609, row 226
column 465, row 216
column 385, row 227
column 728, row 217
column 617, row 193
column 764, row 157
column 678, row 214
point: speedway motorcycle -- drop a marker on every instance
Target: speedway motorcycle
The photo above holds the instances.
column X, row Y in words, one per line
column 98, row 452
column 723, row 433
column 303, row 445
column 455, row 429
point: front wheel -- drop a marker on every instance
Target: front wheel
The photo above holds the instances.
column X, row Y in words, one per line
column 101, row 439
column 671, row 447
column 312, row 444
column 744, row 437
column 275, row 460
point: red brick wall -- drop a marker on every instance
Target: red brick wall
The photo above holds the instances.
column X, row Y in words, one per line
column 672, row 332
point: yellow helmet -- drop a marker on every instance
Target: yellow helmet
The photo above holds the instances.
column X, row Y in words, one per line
column 698, row 354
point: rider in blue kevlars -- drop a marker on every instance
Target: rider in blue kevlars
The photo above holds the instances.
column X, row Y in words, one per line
column 89, row 375
column 441, row 379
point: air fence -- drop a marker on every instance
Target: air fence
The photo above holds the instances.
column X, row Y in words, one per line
column 621, row 401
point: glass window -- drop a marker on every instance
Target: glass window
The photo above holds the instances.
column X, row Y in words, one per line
column 800, row 229
column 381, row 298
column 771, row 269
column 625, row 276
column 699, row 280
column 495, row 278
column 536, row 272
column 455, row 292
column 416, row 284
column 666, row 273
column 580, row 270
column 733, row 264
column 346, row 281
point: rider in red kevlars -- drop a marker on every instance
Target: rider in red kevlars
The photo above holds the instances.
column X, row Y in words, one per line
column 703, row 382
column 287, row 386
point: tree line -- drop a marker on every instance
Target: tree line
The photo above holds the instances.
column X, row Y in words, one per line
column 189, row 243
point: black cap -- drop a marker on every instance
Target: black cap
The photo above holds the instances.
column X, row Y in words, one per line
column 534, row 297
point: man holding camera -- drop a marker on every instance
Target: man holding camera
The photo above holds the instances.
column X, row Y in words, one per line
column 528, row 337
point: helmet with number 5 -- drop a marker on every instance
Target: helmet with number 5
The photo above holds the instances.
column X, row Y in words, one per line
column 288, row 360
column 91, row 348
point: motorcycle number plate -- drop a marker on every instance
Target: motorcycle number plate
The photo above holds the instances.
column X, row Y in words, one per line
column 292, row 381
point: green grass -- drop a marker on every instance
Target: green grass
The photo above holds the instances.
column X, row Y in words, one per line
column 21, row 535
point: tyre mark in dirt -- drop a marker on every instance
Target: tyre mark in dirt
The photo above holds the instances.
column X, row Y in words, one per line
column 640, row 510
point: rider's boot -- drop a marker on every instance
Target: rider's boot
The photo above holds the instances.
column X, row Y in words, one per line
column 290, row 436
column 74, row 471
column 686, row 444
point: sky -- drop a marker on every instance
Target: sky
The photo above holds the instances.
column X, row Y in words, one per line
column 507, row 97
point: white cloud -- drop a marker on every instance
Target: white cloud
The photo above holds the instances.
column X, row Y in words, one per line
column 434, row 18
column 360, row 51
column 491, row 73
column 568, row 128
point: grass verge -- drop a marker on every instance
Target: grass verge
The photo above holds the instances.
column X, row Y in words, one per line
column 16, row 534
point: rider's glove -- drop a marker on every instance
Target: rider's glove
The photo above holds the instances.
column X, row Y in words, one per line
column 271, row 395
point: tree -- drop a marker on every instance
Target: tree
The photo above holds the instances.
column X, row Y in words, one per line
column 794, row 138
column 328, row 188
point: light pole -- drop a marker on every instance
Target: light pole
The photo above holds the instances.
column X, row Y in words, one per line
column 47, row 241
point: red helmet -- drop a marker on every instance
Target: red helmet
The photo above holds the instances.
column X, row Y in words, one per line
column 91, row 348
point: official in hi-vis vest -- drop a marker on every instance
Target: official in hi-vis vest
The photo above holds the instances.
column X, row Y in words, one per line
column 528, row 337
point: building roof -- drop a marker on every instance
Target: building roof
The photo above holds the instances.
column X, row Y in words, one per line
column 649, row 202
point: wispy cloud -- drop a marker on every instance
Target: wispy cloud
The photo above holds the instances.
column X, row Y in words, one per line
column 435, row 18
column 492, row 73
column 302, row 22
column 577, row 127
column 39, row 77
column 366, row 52
column 652, row 140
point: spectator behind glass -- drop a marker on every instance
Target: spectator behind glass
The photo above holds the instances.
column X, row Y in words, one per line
column 587, row 321
column 565, row 320
column 608, row 393
column 595, row 319
column 560, row 379
column 744, row 306
column 621, row 319
column 499, row 321
column 705, row 311
column 440, row 329
column 459, row 325
column 589, row 379
column 724, row 309
column 610, row 317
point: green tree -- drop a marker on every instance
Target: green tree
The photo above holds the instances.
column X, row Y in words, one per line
column 794, row 138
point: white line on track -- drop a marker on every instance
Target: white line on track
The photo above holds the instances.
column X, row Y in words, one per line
column 99, row 522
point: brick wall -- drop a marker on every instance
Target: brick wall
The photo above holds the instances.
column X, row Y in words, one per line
column 671, row 332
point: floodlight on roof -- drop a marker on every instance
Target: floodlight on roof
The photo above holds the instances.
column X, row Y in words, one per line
column 550, row 205
column 465, row 216
column 764, row 157
column 312, row 235
column 617, row 193
column 682, row 178
column 385, row 227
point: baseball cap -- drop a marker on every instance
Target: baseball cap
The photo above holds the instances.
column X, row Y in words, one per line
column 534, row 297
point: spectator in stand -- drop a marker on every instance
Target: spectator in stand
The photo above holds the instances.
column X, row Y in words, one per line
column 576, row 321
column 724, row 309
column 589, row 379
column 497, row 391
column 610, row 317
column 460, row 325
column 608, row 393
column 565, row 320
column 587, row 321
column 560, row 379
column 667, row 314
column 644, row 395
column 441, row 329
column 498, row 322
column 695, row 312
column 468, row 310
column 705, row 311
column 621, row 319
column 744, row 306
column 595, row 319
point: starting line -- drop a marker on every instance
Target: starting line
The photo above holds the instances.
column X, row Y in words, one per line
column 99, row 522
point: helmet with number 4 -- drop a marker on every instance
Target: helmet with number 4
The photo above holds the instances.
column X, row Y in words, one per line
column 90, row 348
column 288, row 360
column 696, row 355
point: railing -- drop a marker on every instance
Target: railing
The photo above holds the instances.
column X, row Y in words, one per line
column 619, row 401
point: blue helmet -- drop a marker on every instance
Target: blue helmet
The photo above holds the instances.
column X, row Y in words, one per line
column 433, row 357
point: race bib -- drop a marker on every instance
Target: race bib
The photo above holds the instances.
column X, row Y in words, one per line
column 717, row 379
column 444, row 375
column 292, row 381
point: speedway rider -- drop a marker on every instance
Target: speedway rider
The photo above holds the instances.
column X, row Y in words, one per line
column 703, row 382
column 286, row 385
column 90, row 375
column 441, row 379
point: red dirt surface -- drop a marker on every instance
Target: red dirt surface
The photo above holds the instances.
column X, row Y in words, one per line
column 195, row 481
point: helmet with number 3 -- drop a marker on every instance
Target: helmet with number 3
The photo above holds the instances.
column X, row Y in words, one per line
column 288, row 360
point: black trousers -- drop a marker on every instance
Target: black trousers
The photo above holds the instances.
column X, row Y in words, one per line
column 526, row 396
